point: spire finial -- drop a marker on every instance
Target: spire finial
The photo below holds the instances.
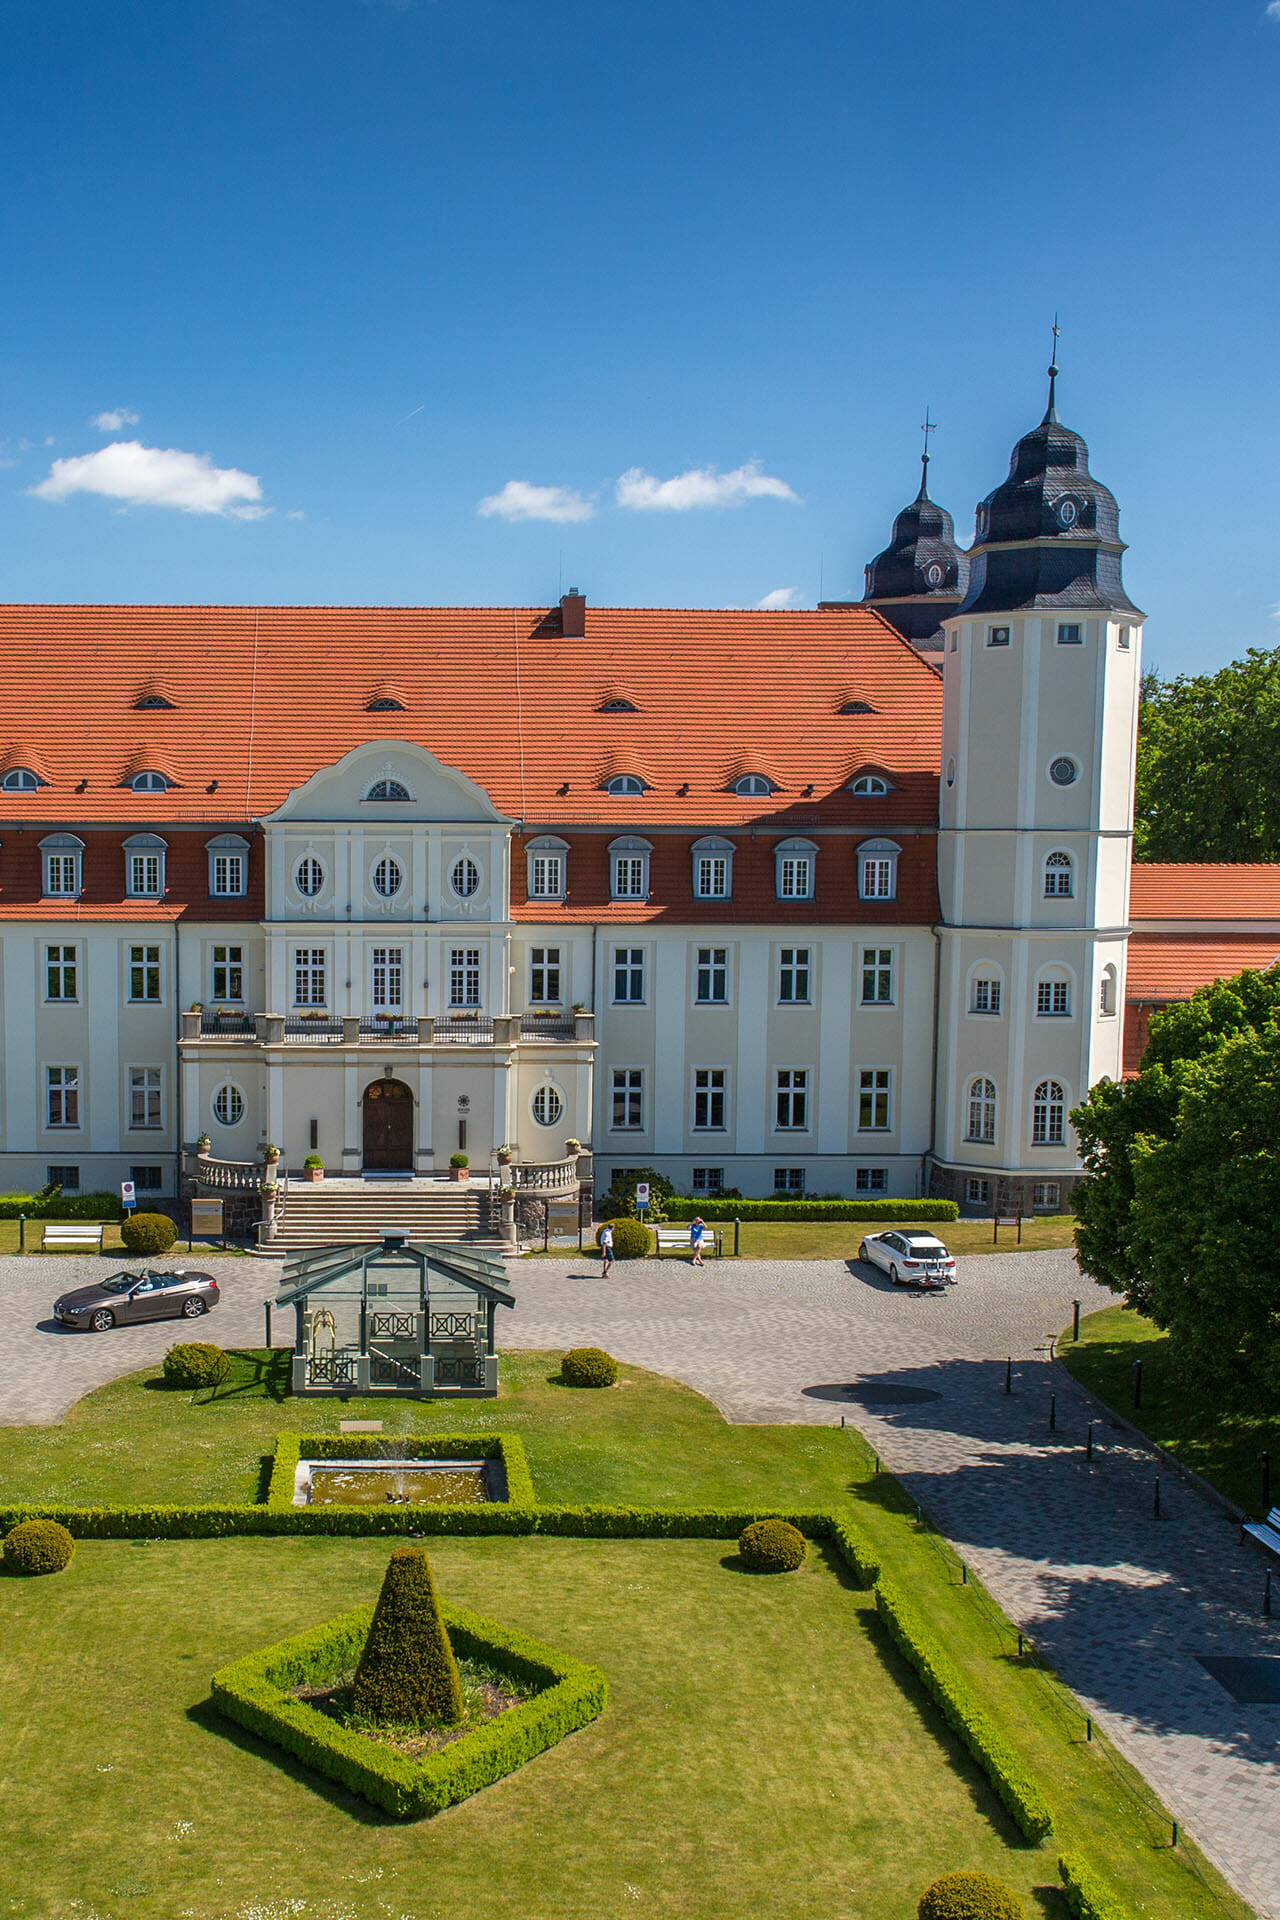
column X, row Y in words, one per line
column 1051, row 411
column 929, row 426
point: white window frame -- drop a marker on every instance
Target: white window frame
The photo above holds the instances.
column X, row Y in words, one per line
column 977, row 1192
column 710, row 1085
column 879, row 969
column 309, row 867
column 754, row 786
column 21, row 780
column 464, row 977
column 795, row 866
column 1070, row 633
column 986, row 992
column 547, row 868
column 875, row 1096
column 546, row 1094
column 1108, row 991
column 715, row 969
column 635, row 968
column 707, row 1180
column 1058, row 864
column 545, row 976
column 145, row 965
column 998, row 636
column 869, row 786
column 62, row 864
column 379, row 792
column 146, row 1098
column 62, row 1095
column 795, row 968
column 878, row 869
column 383, row 865
column 1053, row 996
column 625, row 785
column 791, row 1090
column 232, row 1092
column 789, row 1180
column 467, row 869
column 144, row 863
column 981, row 1101
column 228, row 866
column 1041, row 1192
column 66, row 965
column 871, row 1180
column 150, row 782
column 231, row 969
column 1049, row 1114
column 310, row 976
column 386, row 979
column 712, row 868
column 629, row 869
column 626, row 1084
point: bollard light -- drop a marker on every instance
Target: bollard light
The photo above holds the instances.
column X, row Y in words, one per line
column 1137, row 1383
column 1053, row 1413
column 1075, row 1319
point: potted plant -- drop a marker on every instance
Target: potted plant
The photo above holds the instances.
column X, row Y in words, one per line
column 505, row 1155
column 204, row 1145
column 571, row 1147
column 459, row 1166
column 270, row 1152
column 313, row 1166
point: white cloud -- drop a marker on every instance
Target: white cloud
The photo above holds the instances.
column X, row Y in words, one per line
column 699, row 487
column 521, row 500
column 155, row 477
column 780, row 597
column 1273, row 9
column 114, row 418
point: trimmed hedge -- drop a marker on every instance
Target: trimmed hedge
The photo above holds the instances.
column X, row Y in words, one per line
column 407, row 1674
column 38, row 1546
column 589, row 1367
column 1087, row 1897
column 292, row 1447
column 918, row 1644
column 772, row 1546
column 61, row 1206
column 255, row 1692
column 969, row 1896
column 712, row 1209
column 148, row 1233
column 631, row 1238
column 196, row 1363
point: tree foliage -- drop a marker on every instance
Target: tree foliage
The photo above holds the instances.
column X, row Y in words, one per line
column 1184, row 1166
column 1208, row 774
column 407, row 1674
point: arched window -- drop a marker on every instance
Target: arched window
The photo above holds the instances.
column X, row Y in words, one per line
column 794, row 866
column 150, row 783
column 62, row 854
column 1058, row 872
column 309, row 876
column 228, row 1105
column 545, row 879
column 624, row 783
column 465, row 877
column 753, row 786
column 1048, row 1106
column 629, row 869
column 144, row 866
column 617, row 706
column 878, row 870
column 394, row 790
column 855, row 706
column 712, row 868
column 152, row 703
column 1107, row 991
column 982, row 1110
column 387, row 877
column 547, row 1106
column 869, row 783
column 19, row 780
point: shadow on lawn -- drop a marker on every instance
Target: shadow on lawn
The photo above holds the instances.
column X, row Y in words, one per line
column 206, row 1716
column 254, row 1370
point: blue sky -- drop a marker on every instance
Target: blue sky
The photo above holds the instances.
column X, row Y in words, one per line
column 357, row 266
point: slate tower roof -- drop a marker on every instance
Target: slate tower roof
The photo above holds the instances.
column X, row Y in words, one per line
column 1049, row 535
column 921, row 575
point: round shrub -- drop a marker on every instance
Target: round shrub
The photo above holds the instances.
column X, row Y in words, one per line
column 196, row 1363
column 631, row 1238
column 588, row 1367
column 148, row 1233
column 969, row 1896
column 38, row 1546
column 772, row 1546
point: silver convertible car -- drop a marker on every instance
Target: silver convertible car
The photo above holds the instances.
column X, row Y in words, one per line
column 137, row 1296
column 910, row 1259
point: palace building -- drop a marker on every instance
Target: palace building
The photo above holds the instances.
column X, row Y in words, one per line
column 826, row 901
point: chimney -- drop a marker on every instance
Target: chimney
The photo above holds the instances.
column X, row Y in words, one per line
column 573, row 614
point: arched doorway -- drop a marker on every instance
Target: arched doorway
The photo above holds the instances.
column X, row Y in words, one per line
column 387, row 1143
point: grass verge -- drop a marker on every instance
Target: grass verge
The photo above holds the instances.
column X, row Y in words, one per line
column 840, row 1239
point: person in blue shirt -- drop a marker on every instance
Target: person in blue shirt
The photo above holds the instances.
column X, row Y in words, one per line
column 697, row 1229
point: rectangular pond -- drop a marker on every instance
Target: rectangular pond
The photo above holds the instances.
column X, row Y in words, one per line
column 376, row 1483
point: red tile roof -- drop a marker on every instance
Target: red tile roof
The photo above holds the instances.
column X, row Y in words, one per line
column 1170, row 966
column 1182, row 891
column 265, row 696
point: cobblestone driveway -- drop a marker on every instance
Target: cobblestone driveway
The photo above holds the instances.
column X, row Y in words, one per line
column 1119, row 1602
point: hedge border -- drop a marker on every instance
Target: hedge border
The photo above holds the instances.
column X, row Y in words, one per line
column 254, row 1692
column 506, row 1447
column 1014, row 1785
column 712, row 1209
column 73, row 1206
column 1087, row 1896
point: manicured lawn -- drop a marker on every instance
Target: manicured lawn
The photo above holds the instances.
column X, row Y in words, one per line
column 112, row 1245
column 840, row 1239
column 1224, row 1447
column 763, row 1753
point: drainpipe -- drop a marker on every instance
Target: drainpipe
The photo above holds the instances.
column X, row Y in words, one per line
column 933, row 1088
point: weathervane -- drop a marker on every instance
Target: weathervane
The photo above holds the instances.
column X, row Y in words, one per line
column 1053, row 370
column 929, row 426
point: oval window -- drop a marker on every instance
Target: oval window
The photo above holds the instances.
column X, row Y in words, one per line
column 933, row 575
column 465, row 877
column 951, row 773
column 228, row 1105
column 547, row 1106
column 387, row 877
column 1063, row 771
column 309, row 876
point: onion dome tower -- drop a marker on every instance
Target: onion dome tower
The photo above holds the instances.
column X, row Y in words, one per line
column 921, row 576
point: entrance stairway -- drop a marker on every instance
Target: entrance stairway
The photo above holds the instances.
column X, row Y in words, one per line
column 340, row 1212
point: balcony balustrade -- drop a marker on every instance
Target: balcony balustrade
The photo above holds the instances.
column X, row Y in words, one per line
column 458, row 1028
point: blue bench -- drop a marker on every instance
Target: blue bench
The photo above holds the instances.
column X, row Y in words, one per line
column 1266, row 1532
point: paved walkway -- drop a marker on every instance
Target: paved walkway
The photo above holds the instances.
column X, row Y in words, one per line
column 1119, row 1603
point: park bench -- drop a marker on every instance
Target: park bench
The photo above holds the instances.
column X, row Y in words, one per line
column 1265, row 1532
column 676, row 1240
column 75, row 1236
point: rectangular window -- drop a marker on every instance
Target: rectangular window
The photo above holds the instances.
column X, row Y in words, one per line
column 62, row 1092
column 1068, row 633
column 795, row 876
column 877, row 877
column 464, row 977
column 144, row 1097
column 628, row 975
column 144, row 974
column 986, row 996
column 792, row 1097
column 145, row 873
column 871, row 1180
column 60, row 973
column 544, row 976
column 708, row 1179
column 708, row 1099
column 997, row 636
column 228, row 873
column 1046, row 1196
column 873, row 1100
column 628, row 1099
column 713, row 975
column 877, row 976
column 630, row 876
column 68, row 1178
column 1051, row 997
column 711, row 876
column 387, row 979
column 546, row 873
column 793, row 976
column 309, row 976
column 147, row 1179
column 228, row 973
column 1125, row 639
column 788, row 1179
column 62, row 874
column 975, row 1193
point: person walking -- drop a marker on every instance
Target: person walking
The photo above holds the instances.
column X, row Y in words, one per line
column 697, row 1230
column 606, row 1251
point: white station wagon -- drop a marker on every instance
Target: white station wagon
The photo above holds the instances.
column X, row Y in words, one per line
column 910, row 1259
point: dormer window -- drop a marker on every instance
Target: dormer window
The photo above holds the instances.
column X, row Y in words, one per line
column 20, row 780
column 855, row 706
column 62, row 854
column 712, row 869
column 869, row 785
column 144, row 866
column 150, row 783
column 617, row 706
column 793, row 869
column 629, row 869
column 228, row 866
column 393, row 791
column 624, row 783
column 384, row 704
column 878, row 870
column 753, row 786
column 546, row 858
column 152, row 703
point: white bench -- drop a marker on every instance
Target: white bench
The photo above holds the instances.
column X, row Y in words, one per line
column 1265, row 1532
column 76, row 1236
column 676, row 1240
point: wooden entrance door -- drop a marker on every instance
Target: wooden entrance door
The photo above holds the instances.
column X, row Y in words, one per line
column 388, row 1127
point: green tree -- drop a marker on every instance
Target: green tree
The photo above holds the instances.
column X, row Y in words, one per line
column 407, row 1674
column 1208, row 773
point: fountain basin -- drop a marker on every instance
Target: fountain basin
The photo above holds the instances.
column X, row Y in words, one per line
column 376, row 1483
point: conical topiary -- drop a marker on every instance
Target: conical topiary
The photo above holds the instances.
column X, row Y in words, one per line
column 407, row 1673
